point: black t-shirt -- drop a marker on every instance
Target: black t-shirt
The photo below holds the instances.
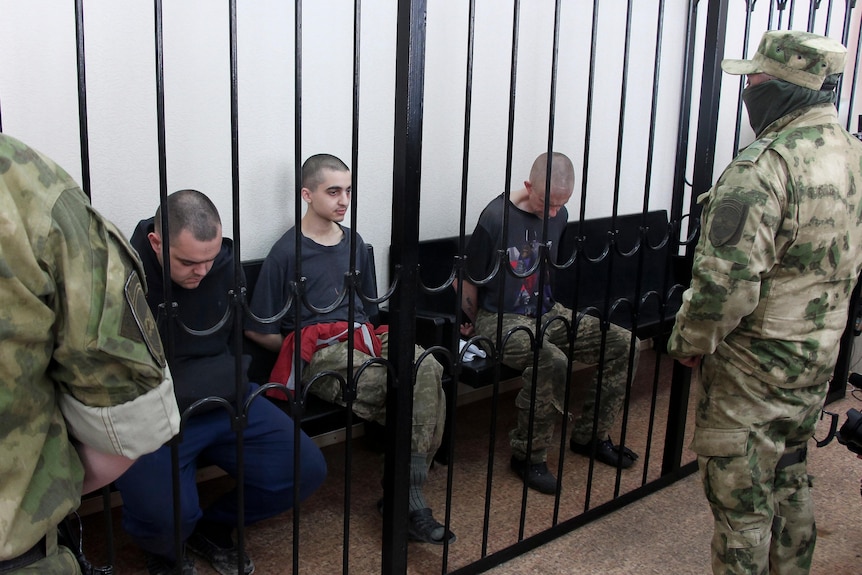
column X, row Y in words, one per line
column 325, row 270
column 522, row 246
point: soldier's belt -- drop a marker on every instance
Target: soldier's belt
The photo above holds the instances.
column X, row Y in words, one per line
column 34, row 554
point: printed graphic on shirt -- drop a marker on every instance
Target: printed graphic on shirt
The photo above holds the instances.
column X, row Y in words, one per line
column 523, row 258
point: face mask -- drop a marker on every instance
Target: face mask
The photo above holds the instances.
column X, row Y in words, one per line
column 773, row 99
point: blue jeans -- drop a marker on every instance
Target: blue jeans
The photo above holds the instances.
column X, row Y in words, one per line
column 268, row 440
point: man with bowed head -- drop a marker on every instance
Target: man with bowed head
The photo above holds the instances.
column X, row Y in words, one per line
column 202, row 278
column 779, row 254
column 521, row 304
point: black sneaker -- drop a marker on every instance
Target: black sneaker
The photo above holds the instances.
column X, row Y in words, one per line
column 223, row 559
column 606, row 452
column 423, row 527
column 535, row 475
column 158, row 565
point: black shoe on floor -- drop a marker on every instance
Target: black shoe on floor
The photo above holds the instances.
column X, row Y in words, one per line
column 158, row 565
column 606, row 452
column 223, row 559
column 535, row 475
column 423, row 527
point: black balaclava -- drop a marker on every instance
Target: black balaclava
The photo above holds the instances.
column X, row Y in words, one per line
column 770, row 100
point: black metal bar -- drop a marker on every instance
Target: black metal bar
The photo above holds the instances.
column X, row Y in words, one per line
column 746, row 36
column 707, row 123
column 407, row 166
column 241, row 420
column 298, row 401
column 82, row 98
column 678, row 206
column 854, row 82
column 716, row 29
column 451, row 399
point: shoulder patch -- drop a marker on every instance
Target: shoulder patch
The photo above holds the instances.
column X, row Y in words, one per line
column 141, row 320
column 727, row 222
column 755, row 149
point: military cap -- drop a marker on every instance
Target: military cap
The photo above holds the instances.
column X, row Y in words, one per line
column 801, row 58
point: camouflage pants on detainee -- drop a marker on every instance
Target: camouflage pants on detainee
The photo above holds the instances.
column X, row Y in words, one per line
column 429, row 401
column 750, row 439
column 551, row 378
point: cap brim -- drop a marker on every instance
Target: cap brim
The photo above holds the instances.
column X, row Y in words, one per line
column 739, row 67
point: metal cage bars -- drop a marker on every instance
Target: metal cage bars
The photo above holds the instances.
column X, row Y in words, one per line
column 406, row 183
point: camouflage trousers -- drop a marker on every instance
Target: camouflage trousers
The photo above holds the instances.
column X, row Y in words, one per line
column 750, row 438
column 602, row 404
column 429, row 400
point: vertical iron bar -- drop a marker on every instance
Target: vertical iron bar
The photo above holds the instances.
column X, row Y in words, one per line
column 83, row 124
column 82, row 98
column 241, row 420
column 166, row 259
column 451, row 395
column 298, row 399
column 707, row 128
column 645, row 245
column 746, row 36
column 678, row 208
column 504, row 269
column 546, row 261
column 407, row 165
column 614, row 254
column 848, row 125
column 583, row 207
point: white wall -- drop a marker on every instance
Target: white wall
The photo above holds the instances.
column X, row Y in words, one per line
column 38, row 102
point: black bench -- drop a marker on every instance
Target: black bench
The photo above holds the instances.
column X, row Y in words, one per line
column 622, row 270
column 597, row 269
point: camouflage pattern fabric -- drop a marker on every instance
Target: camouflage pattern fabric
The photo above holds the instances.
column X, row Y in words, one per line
column 779, row 253
column 763, row 512
column 801, row 58
column 68, row 323
column 429, row 400
column 551, row 378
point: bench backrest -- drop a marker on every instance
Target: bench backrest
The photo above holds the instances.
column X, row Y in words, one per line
column 609, row 261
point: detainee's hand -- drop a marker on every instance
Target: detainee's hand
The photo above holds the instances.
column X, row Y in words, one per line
column 467, row 330
column 692, row 361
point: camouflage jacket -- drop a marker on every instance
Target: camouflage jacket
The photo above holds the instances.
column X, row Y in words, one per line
column 779, row 253
column 80, row 351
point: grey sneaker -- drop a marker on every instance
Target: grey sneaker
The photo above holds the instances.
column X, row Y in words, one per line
column 223, row 559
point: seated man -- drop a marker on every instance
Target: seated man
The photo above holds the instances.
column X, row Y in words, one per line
column 202, row 274
column 521, row 304
column 326, row 248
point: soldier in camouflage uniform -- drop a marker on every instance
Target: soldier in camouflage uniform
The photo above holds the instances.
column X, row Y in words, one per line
column 778, row 256
column 82, row 369
column 521, row 301
column 326, row 248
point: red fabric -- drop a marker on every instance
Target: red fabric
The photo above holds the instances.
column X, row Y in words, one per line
column 313, row 338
